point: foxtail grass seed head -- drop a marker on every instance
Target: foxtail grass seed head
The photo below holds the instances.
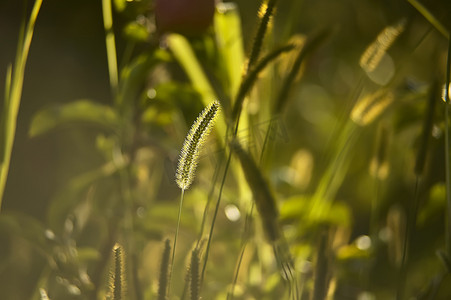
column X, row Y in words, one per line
column 117, row 274
column 193, row 142
column 164, row 271
column 373, row 54
column 194, row 275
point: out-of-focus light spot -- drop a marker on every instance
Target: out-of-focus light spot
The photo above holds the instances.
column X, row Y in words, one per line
column 436, row 132
column 141, row 212
column 73, row 290
column 370, row 106
column 151, row 93
column 302, row 165
column 232, row 212
column 385, row 234
column 306, row 267
column 49, row 234
column 384, row 71
column 363, row 242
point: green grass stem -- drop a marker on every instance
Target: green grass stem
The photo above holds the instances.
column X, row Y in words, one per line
column 110, row 45
column 430, row 17
column 13, row 93
column 447, row 162
column 175, row 237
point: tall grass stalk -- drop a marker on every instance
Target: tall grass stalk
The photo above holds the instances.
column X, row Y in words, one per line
column 110, row 45
column 189, row 158
column 430, row 17
column 447, row 162
column 261, row 31
column 419, row 169
column 245, row 86
column 13, row 95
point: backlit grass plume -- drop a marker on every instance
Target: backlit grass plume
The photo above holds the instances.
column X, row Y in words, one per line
column 117, row 284
column 193, row 143
column 189, row 157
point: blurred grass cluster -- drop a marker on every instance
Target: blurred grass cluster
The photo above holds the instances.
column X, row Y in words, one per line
column 334, row 124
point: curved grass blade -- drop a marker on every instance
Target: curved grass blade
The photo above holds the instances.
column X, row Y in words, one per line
column 252, row 76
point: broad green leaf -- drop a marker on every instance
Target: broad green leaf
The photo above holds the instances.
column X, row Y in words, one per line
column 84, row 111
column 186, row 57
column 230, row 43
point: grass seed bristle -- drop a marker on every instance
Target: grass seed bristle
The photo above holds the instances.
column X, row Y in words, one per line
column 372, row 56
column 193, row 142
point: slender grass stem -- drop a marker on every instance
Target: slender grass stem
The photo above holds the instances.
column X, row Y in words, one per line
column 447, row 162
column 430, row 17
column 207, row 252
column 110, row 45
column 13, row 90
column 408, row 233
column 175, row 237
column 244, row 243
column 207, row 206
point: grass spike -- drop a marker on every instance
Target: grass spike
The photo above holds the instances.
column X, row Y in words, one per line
column 117, row 285
column 189, row 157
column 194, row 275
column 265, row 17
column 373, row 54
column 193, row 143
column 368, row 108
column 427, row 130
column 163, row 280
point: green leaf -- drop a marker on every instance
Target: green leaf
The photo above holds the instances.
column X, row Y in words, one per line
column 136, row 32
column 78, row 111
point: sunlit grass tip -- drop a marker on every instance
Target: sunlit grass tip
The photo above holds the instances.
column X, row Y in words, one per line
column 193, row 143
column 373, row 54
column 117, row 282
